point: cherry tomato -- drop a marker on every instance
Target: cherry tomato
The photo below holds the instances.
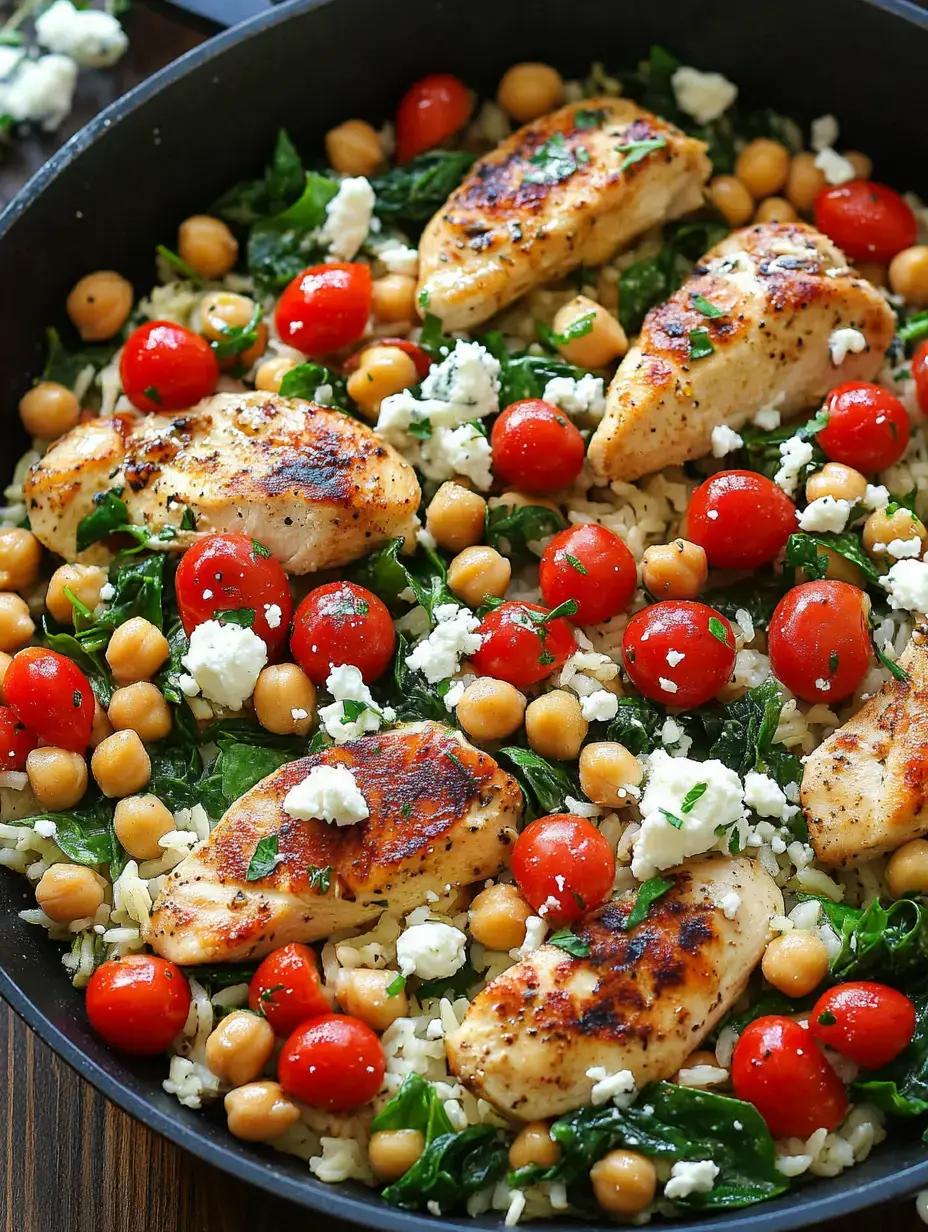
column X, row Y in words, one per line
column 520, row 645
column 868, row 1022
column 138, row 1004
column 415, row 353
column 333, row 1061
column 870, row 222
column 16, row 741
column 286, row 988
column 51, row 696
column 342, row 622
column 563, row 866
column 741, row 520
column 325, row 308
column 867, row 428
column 818, row 640
column 679, row 653
column 429, row 113
column 778, row 1068
column 222, row 573
column 165, row 367
column 920, row 375
column 592, row 566
column 535, row 447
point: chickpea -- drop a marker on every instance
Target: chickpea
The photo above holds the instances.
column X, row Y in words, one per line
column 881, row 528
column 271, row 373
column 383, row 370
column 490, row 709
column 873, row 271
column 795, row 963
column 99, row 305
column 136, row 650
column 775, row 209
column 862, row 164
column 731, row 199
column 5, row 661
column 207, row 245
column 20, row 557
column 221, row 311
column 838, row 481
column 908, row 274
column 16, row 624
column 392, row 1152
column 141, row 708
column 121, row 764
column 140, row 822
column 363, row 994
column 49, row 410
column 393, row 298
column 555, row 726
column 534, row 1145
column 676, row 570
column 84, row 582
column 238, row 1049
column 606, row 768
column 519, row 500
column 353, row 148
column 58, row 778
column 530, row 90
column 907, row 869
column 838, row 569
column 604, row 342
column 497, row 917
column 804, row 182
column 102, row 727
column 285, row 700
column 260, row 1111
column 762, row 167
column 478, row 572
column 456, row 517
column 624, row 1182
column 69, row 892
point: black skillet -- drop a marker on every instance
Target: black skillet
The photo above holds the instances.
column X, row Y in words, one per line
column 169, row 148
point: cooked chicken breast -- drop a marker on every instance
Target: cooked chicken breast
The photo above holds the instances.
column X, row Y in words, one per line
column 315, row 486
column 442, row 813
column 865, row 788
column 554, row 196
column 782, row 290
column 642, row 1000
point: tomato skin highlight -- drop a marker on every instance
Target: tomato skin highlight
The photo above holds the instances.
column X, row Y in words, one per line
column 819, row 632
column 165, row 367
column 333, row 1061
column 778, row 1067
column 431, row 111
column 342, row 622
column 325, row 308
column 535, row 447
column 592, row 566
column 138, row 1004
column 679, row 627
column 287, row 989
column 513, row 648
column 867, row 428
column 563, row 866
column 740, row 519
column 51, row 696
column 869, row 221
column 920, row 375
column 16, row 741
column 872, row 1025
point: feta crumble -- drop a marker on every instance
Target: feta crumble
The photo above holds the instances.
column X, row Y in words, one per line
column 348, row 218
column 834, row 166
column 823, row 684
column 766, row 797
column 92, row 38
column 582, row 397
column 907, row 586
column 273, row 615
column 768, row 418
column 688, row 1177
column 876, row 496
column 330, row 793
column 704, row 96
column 224, row 662
column 454, row 694
column 674, row 657
column 599, row 706
column 399, row 259
column 611, row 1087
column 730, row 905
column 903, row 549
column 669, row 686
column 346, row 684
column 824, row 133
column 724, row 440
column 795, row 454
column 825, row 514
column 844, row 342
column 107, row 592
column 431, row 950
column 438, row 656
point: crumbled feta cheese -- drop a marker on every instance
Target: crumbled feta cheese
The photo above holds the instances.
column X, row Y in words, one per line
column 704, row 96
column 459, row 451
column 432, row 950
column 824, row 133
column 40, row 91
column 795, row 454
column 348, row 217
column 107, row 592
column 768, row 418
column 907, row 585
column 582, row 397
column 675, row 737
column 599, row 706
column 297, row 713
column 454, row 694
column 324, row 395
column 93, row 38
column 825, row 514
column 904, row 549
column 611, row 1087
column 724, row 440
column 45, row 827
column 876, row 496
column 438, row 656
column 669, row 686
column 823, row 684
column 330, row 793
column 834, row 166
column 766, row 797
column 273, row 615
column 745, row 623
column 346, row 684
column 536, row 930
column 730, row 904
column 425, row 539
column 690, row 1177
column 675, row 657
column 399, row 259
column 843, row 342
column 224, row 662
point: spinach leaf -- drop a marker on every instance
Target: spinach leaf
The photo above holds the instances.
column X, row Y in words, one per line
column 415, row 1106
column 85, row 834
column 544, row 784
column 567, row 940
column 413, row 697
column 215, row 978
column 648, row 892
column 64, row 367
column 803, row 551
column 283, row 181
column 244, row 765
column 140, row 591
column 888, row 943
column 451, row 1168
column 653, row 279
column 109, row 516
column 304, row 380
column 901, row 1087
column 281, row 246
column 436, row 344
column 264, row 859
column 388, row 575
column 510, row 528
column 411, row 194
column 175, row 774
column 637, row 725
column 757, row 595
column 913, row 331
column 91, row 662
column 524, row 375
column 457, row 985
column 761, row 447
column 742, row 734
column 768, row 1002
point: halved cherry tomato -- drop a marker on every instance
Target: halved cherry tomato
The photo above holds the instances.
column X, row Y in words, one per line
column 287, row 989
column 778, row 1068
column 592, row 566
column 138, row 1003
column 920, row 376
column 741, row 520
column 521, row 644
column 165, row 367
column 869, row 221
column 325, row 308
column 51, row 696
column 333, row 1062
column 818, row 640
column 342, row 622
column 868, row 1022
column 431, row 111
column 679, row 653
column 867, row 428
column 415, row 353
column 224, row 573
column 535, row 447
column 16, row 741
column 563, row 866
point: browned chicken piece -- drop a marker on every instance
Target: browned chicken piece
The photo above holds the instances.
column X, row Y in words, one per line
column 641, row 1000
column 781, row 291
column 313, row 485
column 865, row 788
column 554, row 196
column 441, row 812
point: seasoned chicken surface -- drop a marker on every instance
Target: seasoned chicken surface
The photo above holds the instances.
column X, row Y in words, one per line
column 442, row 813
column 552, row 197
column 642, row 1000
column 782, row 289
column 315, row 486
column 865, row 788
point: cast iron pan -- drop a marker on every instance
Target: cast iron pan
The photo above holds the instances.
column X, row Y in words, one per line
column 171, row 146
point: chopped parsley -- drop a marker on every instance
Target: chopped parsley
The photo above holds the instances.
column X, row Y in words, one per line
column 555, row 161
column 700, row 343
column 694, row 794
column 635, row 151
column 718, row 630
column 571, row 943
column 701, row 304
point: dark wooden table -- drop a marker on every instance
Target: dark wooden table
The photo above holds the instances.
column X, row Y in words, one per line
column 69, row 1160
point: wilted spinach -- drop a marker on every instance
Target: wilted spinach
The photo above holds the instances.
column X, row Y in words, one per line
column 305, row 379
column 388, row 574
column 281, row 246
column 545, row 785
column 64, row 367
column 283, row 181
column 510, row 528
column 410, row 194
column 637, row 725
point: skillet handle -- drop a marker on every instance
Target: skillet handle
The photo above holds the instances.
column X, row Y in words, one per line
column 225, row 12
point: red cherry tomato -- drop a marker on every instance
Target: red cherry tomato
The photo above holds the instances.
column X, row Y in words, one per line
column 51, row 696
column 679, row 653
column 818, row 641
column 138, row 1004
column 520, row 646
column 535, row 447
column 563, row 866
column 429, row 113
column 592, row 566
column 870, row 222
column 342, row 622
column 867, row 428
column 741, row 520
column 286, row 988
column 16, row 741
column 222, row 573
column 920, row 375
column 325, row 308
column 868, row 1022
column 165, row 367
column 415, row 353
column 778, row 1067
column 333, row 1062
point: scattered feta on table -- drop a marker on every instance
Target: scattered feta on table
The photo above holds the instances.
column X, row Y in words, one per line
column 224, row 662
column 92, row 38
column 844, row 342
column 40, row 91
column 704, row 96
column 330, row 793
column 348, row 218
column 825, row 514
column 432, row 950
